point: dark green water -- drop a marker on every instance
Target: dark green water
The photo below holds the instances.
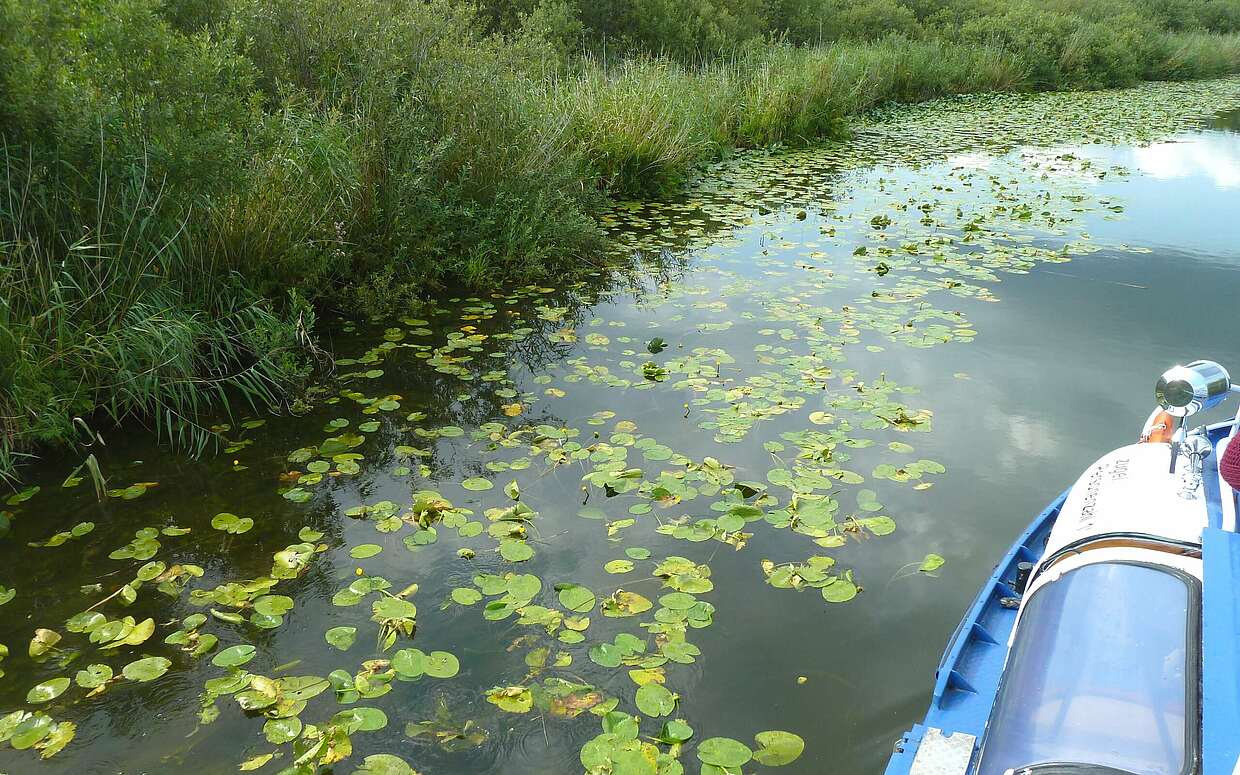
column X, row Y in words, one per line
column 770, row 315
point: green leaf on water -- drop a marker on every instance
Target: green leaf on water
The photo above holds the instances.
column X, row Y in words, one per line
column 234, row 656
column 724, row 752
column 384, row 764
column 409, row 663
column 231, row 523
column 513, row 699
column 341, row 638
column 477, row 483
column 441, row 664
column 776, row 748
column 576, row 598
column 48, row 690
column 279, row 731
column 675, row 731
column 365, row 551
column 879, row 526
column 147, row 669
column 93, row 676
column 931, row 563
column 841, row 590
column 515, row 551
column 655, row 700
column 273, row 605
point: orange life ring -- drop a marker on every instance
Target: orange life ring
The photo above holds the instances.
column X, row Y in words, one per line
column 1161, row 429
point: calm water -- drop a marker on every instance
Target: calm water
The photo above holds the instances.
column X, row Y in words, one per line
column 1061, row 369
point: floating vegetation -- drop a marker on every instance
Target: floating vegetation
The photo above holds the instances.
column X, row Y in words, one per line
column 510, row 513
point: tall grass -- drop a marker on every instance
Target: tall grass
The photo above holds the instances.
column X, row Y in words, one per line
column 112, row 317
column 179, row 175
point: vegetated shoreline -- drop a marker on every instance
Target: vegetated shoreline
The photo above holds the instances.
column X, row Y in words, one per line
column 185, row 182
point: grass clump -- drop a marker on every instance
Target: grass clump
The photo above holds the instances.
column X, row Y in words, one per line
column 187, row 180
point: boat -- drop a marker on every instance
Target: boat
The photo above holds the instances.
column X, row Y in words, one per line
column 1107, row 640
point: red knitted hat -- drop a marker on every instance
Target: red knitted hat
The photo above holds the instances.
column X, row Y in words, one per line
column 1229, row 463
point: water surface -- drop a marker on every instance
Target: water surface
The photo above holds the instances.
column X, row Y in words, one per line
column 960, row 279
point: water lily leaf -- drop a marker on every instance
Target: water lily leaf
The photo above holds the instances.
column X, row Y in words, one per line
column 6, row 594
column 31, row 730
column 466, row 595
column 576, row 598
column 513, row 699
column 93, row 676
column 255, row 762
column 384, row 764
column 724, row 752
column 523, row 586
column 59, row 736
column 273, row 605
column 678, row 601
column 234, row 656
column 341, row 638
column 48, row 690
column 137, row 635
column 606, row 654
column 361, row 719
column 279, row 731
column 618, row 566
column 477, row 483
column 44, row 640
column 231, row 523
column 388, row 606
column 776, row 748
column 675, row 731
column 624, row 603
column 365, row 551
column 841, row 590
column 655, row 700
column 409, row 663
column 515, row 551
column 879, row 526
column 441, row 664
column 931, row 563
column 147, row 669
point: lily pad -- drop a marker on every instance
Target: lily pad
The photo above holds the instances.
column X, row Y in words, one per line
column 777, row 748
column 48, row 690
column 234, row 656
column 441, row 664
column 147, row 669
column 341, row 638
column 384, row 764
column 724, row 752
column 655, row 700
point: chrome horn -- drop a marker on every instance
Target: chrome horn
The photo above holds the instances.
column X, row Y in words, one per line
column 1185, row 390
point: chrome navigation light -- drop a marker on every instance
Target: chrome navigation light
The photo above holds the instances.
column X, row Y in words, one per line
column 1185, row 390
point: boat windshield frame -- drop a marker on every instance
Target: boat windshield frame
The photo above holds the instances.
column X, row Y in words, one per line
column 1069, row 768
column 1191, row 763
